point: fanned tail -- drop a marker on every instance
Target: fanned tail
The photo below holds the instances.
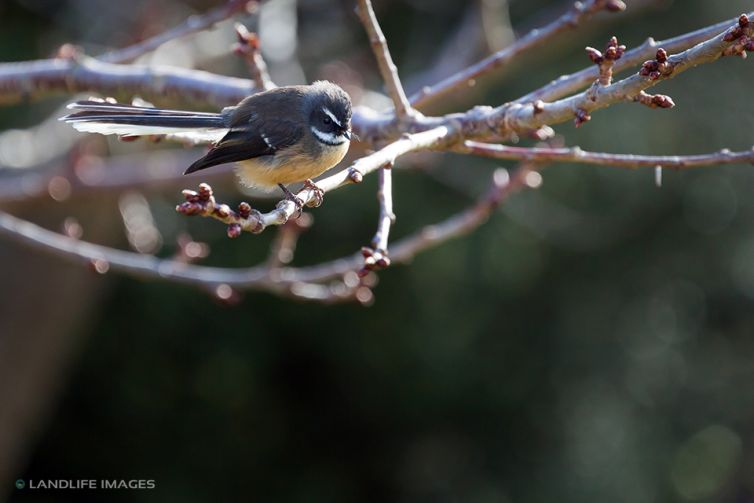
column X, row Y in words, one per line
column 130, row 120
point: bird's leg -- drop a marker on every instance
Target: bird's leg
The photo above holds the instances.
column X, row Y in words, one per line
column 319, row 194
column 292, row 197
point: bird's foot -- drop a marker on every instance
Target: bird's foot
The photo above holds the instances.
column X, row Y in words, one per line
column 319, row 194
column 292, row 198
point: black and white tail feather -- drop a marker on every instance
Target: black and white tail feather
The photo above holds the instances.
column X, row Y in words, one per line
column 102, row 117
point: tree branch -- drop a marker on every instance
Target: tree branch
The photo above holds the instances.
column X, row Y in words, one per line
column 248, row 48
column 408, row 132
column 34, row 79
column 388, row 69
column 193, row 24
column 578, row 13
column 302, row 283
column 575, row 154
column 517, row 117
column 568, row 84
column 114, row 174
column 284, row 245
column 376, row 257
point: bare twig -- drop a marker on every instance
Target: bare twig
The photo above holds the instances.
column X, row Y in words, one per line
column 284, row 245
column 575, row 154
column 248, row 48
column 377, row 257
column 388, row 69
column 571, row 19
column 221, row 281
column 464, row 222
column 429, row 236
column 88, row 174
column 193, row 24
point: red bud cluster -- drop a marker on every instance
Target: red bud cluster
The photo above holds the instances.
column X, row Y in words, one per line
column 605, row 59
column 373, row 260
column 743, row 37
column 655, row 100
column 655, row 68
column 582, row 116
column 202, row 202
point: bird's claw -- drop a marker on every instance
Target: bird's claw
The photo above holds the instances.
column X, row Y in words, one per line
column 319, row 194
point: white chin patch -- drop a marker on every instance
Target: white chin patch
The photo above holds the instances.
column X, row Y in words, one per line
column 329, row 138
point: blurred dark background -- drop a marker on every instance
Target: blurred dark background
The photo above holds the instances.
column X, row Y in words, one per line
column 594, row 341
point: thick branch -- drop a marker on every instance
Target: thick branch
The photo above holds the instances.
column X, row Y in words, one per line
column 579, row 13
column 33, row 79
column 193, row 24
column 575, row 154
column 388, row 69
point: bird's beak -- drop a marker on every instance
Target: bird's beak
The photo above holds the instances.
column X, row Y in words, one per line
column 347, row 134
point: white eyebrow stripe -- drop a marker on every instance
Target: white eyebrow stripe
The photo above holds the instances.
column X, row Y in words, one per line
column 332, row 116
column 329, row 138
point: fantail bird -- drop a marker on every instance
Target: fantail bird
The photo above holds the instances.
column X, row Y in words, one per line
column 278, row 137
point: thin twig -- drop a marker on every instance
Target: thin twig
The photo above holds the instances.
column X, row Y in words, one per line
column 575, row 154
column 248, row 48
column 387, row 217
column 377, row 257
column 283, row 246
column 579, row 13
column 193, row 24
column 388, row 69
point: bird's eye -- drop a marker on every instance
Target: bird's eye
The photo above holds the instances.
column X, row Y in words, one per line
column 327, row 120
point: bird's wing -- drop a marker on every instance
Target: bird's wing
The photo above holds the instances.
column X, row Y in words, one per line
column 255, row 138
